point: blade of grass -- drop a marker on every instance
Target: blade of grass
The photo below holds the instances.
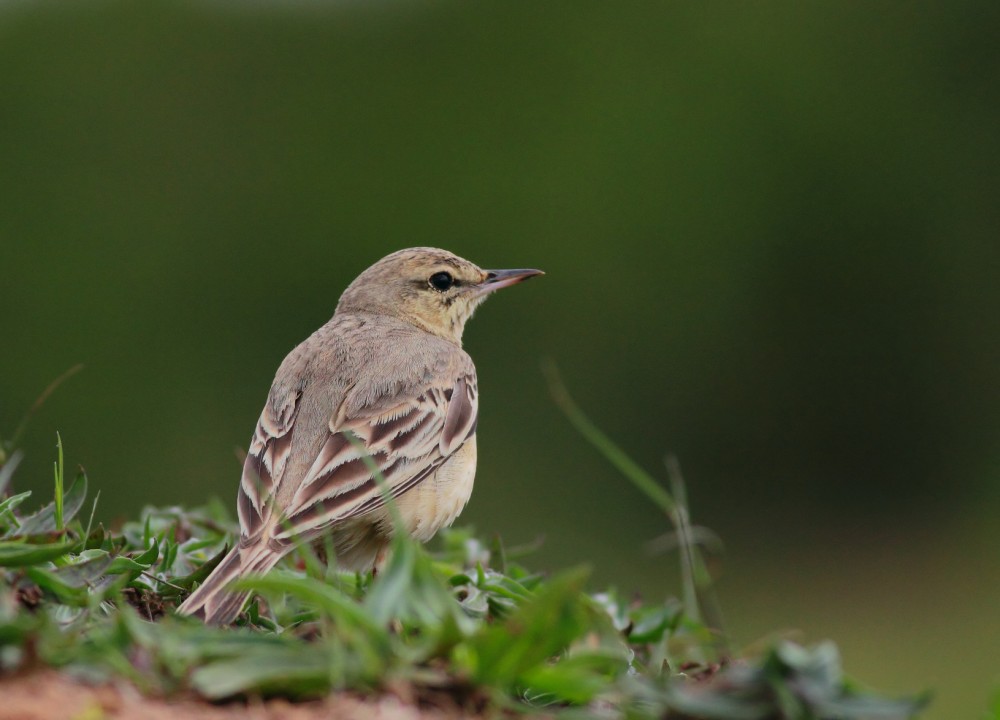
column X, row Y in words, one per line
column 688, row 550
column 93, row 510
column 43, row 521
column 59, row 484
column 7, row 468
column 41, row 401
column 697, row 579
column 603, row 444
column 694, row 575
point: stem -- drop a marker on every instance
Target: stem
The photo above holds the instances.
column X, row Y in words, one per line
column 605, row 445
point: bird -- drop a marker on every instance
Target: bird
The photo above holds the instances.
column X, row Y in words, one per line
column 384, row 384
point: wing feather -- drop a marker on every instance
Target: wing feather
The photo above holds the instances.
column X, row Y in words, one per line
column 265, row 463
column 461, row 419
column 406, row 443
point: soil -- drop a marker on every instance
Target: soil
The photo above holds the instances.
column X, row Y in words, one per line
column 49, row 695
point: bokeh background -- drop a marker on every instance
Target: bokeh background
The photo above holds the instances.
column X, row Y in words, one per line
column 771, row 238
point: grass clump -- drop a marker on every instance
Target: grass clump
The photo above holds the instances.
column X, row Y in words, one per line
column 468, row 624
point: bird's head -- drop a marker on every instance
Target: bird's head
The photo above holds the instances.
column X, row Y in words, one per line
column 432, row 289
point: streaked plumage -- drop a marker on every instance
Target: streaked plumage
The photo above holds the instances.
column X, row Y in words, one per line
column 386, row 377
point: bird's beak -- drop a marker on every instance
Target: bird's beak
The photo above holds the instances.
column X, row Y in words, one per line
column 496, row 279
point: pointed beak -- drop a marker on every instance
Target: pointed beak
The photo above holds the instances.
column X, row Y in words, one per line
column 496, row 279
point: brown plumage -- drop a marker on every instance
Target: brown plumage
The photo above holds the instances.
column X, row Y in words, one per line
column 386, row 377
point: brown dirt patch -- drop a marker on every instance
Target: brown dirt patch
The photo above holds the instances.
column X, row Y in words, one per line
column 49, row 695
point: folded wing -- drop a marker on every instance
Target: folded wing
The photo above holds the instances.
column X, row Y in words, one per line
column 404, row 445
column 265, row 464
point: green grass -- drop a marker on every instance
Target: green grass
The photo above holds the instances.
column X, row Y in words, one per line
column 470, row 620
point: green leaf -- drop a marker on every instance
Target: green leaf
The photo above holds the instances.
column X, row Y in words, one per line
column 576, row 679
column 297, row 671
column 150, row 556
column 410, row 591
column 330, row 601
column 123, row 564
column 53, row 584
column 21, row 554
column 13, row 501
column 43, row 522
column 203, row 571
column 649, row 624
column 96, row 539
column 542, row 627
column 84, row 569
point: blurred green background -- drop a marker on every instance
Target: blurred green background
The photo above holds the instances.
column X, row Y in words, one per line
column 771, row 238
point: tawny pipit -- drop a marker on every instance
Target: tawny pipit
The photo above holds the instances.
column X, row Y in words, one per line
column 386, row 377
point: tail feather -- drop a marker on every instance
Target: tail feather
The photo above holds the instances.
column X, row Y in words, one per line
column 213, row 601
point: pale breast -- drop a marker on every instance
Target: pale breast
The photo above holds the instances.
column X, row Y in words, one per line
column 438, row 500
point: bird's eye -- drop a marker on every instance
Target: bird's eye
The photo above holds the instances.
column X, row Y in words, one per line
column 442, row 281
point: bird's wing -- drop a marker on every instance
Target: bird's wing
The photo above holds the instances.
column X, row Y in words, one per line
column 406, row 443
column 265, row 463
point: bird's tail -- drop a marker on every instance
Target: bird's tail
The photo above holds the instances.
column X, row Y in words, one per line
column 213, row 601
